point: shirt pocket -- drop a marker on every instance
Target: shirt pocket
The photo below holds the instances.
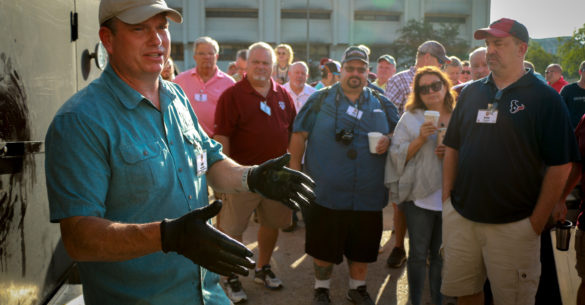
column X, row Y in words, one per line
column 145, row 168
column 376, row 121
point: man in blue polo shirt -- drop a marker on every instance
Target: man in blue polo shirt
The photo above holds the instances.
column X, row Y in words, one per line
column 509, row 148
column 347, row 219
column 127, row 167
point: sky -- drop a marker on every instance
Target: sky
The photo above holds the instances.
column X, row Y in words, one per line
column 542, row 18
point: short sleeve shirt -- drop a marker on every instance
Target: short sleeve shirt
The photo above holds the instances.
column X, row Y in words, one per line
column 302, row 97
column 111, row 154
column 501, row 165
column 398, row 88
column 343, row 183
column 574, row 97
column 203, row 96
column 255, row 136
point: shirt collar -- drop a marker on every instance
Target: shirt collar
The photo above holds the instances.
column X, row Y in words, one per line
column 215, row 74
column 127, row 95
column 251, row 89
column 526, row 80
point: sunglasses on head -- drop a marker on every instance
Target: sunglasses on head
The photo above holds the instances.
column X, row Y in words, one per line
column 435, row 86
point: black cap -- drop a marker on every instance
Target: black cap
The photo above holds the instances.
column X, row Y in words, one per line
column 355, row 53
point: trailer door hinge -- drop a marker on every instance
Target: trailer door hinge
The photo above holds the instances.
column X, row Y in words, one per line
column 74, row 26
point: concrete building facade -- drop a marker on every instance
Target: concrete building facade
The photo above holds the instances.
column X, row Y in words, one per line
column 332, row 26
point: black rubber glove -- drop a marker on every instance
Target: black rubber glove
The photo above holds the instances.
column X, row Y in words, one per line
column 273, row 180
column 193, row 237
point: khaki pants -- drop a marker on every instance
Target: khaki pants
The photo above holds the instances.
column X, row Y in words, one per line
column 508, row 254
column 237, row 209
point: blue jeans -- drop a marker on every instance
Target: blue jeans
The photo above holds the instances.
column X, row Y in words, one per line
column 424, row 232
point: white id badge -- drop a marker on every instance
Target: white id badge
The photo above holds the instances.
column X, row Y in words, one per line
column 487, row 116
column 201, row 157
column 265, row 108
column 201, row 97
column 354, row 112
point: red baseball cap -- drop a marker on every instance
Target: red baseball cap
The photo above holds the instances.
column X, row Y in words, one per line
column 503, row 28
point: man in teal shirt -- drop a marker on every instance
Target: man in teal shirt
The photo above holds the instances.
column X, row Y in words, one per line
column 127, row 167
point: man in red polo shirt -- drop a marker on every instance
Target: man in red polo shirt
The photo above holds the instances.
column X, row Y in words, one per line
column 253, row 122
column 205, row 83
column 554, row 77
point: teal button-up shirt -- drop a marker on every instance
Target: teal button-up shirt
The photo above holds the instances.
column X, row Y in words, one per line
column 110, row 153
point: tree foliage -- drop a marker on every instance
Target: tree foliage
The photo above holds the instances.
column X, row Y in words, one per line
column 539, row 57
column 572, row 53
column 416, row 32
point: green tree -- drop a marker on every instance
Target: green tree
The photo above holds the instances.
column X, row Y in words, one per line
column 572, row 53
column 539, row 57
column 416, row 32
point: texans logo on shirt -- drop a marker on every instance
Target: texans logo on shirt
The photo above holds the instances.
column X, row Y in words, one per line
column 282, row 105
column 515, row 107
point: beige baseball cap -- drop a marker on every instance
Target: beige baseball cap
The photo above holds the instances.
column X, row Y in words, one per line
column 136, row 11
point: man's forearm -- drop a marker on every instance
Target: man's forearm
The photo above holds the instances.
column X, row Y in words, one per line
column 225, row 143
column 88, row 238
column 297, row 149
column 572, row 180
column 449, row 171
column 225, row 176
column 552, row 187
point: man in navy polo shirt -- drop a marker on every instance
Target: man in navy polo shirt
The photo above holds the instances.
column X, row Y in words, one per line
column 509, row 148
column 347, row 219
column 574, row 96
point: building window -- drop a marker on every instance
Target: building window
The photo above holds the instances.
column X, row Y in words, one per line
column 445, row 19
column 230, row 13
column 177, row 49
column 227, row 51
column 317, row 51
column 302, row 14
column 376, row 16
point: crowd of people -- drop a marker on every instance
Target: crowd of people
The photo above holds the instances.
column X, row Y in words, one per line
column 474, row 156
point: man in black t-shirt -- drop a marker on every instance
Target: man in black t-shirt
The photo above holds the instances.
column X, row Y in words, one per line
column 574, row 96
column 509, row 148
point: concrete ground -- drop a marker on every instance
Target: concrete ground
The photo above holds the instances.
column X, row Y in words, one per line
column 387, row 286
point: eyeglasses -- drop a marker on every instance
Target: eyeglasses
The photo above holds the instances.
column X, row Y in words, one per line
column 350, row 69
column 547, row 72
column 281, row 53
column 435, row 86
column 465, row 72
column 204, row 54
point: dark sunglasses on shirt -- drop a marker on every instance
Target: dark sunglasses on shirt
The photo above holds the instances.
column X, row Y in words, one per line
column 435, row 86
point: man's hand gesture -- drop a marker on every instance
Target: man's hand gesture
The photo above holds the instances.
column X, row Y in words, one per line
column 193, row 237
column 273, row 180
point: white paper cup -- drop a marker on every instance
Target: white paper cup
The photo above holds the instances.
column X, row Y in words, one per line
column 432, row 116
column 374, row 138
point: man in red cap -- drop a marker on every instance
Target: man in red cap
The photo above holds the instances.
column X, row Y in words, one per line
column 509, row 151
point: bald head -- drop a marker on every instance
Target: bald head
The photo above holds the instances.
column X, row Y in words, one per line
column 553, row 73
column 298, row 72
column 478, row 63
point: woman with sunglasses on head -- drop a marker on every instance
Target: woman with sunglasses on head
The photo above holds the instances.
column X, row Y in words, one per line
column 414, row 176
column 284, row 58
